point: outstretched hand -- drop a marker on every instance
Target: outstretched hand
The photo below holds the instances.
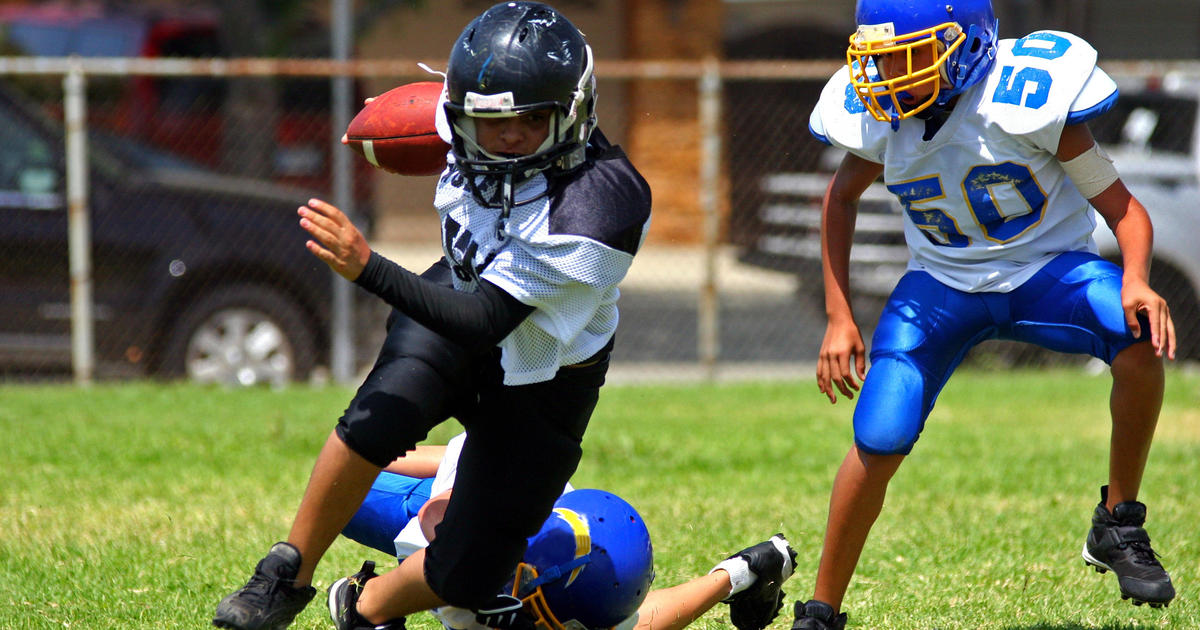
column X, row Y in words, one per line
column 338, row 243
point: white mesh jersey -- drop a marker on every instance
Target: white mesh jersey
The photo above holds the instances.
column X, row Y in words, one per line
column 986, row 204
column 561, row 251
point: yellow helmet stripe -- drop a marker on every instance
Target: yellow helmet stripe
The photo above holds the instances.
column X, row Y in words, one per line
column 583, row 537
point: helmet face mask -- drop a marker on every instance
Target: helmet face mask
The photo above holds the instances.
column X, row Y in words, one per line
column 534, row 601
column 516, row 58
column 957, row 38
column 882, row 93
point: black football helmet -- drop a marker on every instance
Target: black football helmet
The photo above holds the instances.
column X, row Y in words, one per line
column 514, row 58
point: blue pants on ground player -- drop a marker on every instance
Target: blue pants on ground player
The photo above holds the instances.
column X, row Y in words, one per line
column 392, row 502
column 1072, row 305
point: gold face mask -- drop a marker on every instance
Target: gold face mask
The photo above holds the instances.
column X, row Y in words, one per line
column 879, row 93
column 527, row 588
column 534, row 601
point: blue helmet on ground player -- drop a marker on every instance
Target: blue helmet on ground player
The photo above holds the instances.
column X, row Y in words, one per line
column 591, row 564
column 953, row 44
column 515, row 58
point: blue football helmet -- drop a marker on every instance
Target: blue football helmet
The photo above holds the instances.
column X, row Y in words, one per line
column 960, row 34
column 589, row 567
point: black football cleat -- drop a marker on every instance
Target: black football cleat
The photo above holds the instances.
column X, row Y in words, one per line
column 772, row 562
column 815, row 615
column 269, row 601
column 1118, row 543
column 343, row 602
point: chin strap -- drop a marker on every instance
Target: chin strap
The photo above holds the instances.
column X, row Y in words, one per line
column 506, row 204
column 555, row 572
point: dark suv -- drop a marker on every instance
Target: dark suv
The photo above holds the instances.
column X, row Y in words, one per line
column 193, row 273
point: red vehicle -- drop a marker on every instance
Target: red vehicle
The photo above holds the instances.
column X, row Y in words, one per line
column 183, row 115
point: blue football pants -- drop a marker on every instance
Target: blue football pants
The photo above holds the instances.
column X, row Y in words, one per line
column 392, row 502
column 1071, row 305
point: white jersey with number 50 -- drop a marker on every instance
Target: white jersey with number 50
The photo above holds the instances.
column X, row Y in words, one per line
column 986, row 203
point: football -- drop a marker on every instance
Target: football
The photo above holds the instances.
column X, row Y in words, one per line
column 396, row 131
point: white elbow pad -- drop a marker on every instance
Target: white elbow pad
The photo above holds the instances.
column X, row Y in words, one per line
column 1091, row 171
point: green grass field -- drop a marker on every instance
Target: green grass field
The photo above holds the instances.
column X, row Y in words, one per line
column 140, row 506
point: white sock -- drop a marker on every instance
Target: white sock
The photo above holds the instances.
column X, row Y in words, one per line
column 740, row 576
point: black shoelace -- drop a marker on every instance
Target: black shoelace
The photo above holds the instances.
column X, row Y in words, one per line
column 262, row 587
column 1141, row 553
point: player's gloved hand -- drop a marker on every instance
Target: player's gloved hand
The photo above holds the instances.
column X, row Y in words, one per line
column 504, row 612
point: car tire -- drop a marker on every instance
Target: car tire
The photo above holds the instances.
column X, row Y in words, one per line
column 1181, row 298
column 240, row 335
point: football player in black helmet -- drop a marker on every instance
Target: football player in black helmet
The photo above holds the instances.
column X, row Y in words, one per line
column 524, row 61
column 510, row 332
column 512, row 60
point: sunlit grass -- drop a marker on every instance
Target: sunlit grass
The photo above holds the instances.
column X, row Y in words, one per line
column 140, row 506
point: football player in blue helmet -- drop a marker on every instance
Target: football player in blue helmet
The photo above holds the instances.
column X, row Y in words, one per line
column 986, row 146
column 590, row 566
column 510, row 331
column 592, row 563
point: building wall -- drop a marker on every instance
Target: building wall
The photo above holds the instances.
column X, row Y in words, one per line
column 664, row 138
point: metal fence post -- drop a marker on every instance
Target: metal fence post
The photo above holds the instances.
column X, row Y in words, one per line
column 341, row 352
column 710, row 183
column 79, row 237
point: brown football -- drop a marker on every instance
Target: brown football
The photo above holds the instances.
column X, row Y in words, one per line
column 396, row 131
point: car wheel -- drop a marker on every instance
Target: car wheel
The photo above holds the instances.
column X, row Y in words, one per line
column 241, row 335
column 1181, row 298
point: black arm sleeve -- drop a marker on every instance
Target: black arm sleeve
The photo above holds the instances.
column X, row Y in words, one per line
column 476, row 320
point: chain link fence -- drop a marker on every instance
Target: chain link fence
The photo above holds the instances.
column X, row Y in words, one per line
column 149, row 229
